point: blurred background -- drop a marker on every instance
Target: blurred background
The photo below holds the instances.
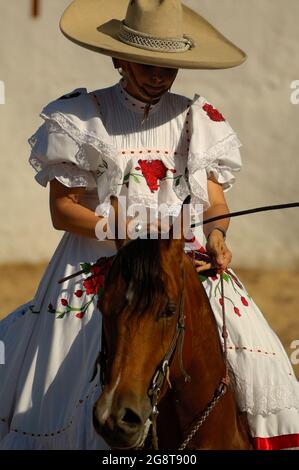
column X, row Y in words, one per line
column 38, row 65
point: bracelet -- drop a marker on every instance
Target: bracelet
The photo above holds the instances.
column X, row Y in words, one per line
column 221, row 229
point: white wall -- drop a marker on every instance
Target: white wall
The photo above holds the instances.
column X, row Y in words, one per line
column 37, row 64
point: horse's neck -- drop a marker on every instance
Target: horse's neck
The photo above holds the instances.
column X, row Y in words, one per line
column 201, row 330
column 204, row 363
column 202, row 353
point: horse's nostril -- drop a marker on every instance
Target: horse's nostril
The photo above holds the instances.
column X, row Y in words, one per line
column 131, row 418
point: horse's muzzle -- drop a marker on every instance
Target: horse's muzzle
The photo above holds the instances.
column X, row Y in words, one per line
column 123, row 428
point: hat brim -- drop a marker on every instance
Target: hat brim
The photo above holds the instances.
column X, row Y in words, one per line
column 95, row 24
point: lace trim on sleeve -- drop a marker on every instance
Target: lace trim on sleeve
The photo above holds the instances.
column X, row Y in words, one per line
column 201, row 165
column 59, row 121
column 197, row 161
column 105, row 155
column 67, row 174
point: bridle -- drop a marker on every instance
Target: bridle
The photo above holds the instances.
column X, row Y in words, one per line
column 163, row 371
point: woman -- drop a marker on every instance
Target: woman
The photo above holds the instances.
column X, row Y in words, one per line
column 137, row 140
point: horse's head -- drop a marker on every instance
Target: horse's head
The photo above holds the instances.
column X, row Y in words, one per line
column 141, row 307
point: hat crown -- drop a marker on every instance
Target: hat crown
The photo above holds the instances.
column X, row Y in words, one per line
column 158, row 18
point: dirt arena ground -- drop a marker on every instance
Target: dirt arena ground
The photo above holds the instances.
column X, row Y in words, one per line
column 276, row 293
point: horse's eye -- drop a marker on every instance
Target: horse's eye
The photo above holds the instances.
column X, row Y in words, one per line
column 169, row 311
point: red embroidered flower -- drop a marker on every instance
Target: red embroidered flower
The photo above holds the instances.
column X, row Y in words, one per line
column 244, row 301
column 153, row 170
column 80, row 315
column 79, row 293
column 213, row 113
column 95, row 269
column 237, row 311
column 93, row 283
column 64, row 302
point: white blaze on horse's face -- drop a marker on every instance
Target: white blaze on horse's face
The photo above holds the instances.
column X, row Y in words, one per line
column 130, row 293
column 109, row 399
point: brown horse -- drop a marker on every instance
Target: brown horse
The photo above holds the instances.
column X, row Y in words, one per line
column 161, row 352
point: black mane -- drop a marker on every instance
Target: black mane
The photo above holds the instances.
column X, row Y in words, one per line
column 139, row 264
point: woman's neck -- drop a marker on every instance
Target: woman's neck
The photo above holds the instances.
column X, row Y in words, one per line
column 138, row 94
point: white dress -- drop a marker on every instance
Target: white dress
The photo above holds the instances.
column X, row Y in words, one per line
column 97, row 140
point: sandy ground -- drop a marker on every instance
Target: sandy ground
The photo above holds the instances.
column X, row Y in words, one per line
column 276, row 293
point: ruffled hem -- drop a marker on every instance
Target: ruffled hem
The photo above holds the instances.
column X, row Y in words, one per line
column 66, row 173
column 200, row 161
column 260, row 394
column 216, row 160
column 59, row 121
column 89, row 154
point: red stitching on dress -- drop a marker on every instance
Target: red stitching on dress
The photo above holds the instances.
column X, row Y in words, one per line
column 56, row 432
column 147, row 151
column 251, row 350
column 187, row 130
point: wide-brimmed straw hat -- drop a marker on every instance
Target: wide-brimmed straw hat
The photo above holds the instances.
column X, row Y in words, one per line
column 156, row 32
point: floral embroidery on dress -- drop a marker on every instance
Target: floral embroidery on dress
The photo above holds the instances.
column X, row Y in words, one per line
column 152, row 171
column 102, row 168
column 215, row 277
column 92, row 286
column 213, row 113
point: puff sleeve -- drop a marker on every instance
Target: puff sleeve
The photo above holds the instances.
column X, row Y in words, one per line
column 72, row 143
column 214, row 150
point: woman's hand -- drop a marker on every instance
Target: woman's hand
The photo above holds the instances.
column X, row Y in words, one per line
column 218, row 255
column 216, row 247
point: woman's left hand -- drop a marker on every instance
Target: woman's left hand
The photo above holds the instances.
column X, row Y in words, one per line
column 220, row 256
column 217, row 249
